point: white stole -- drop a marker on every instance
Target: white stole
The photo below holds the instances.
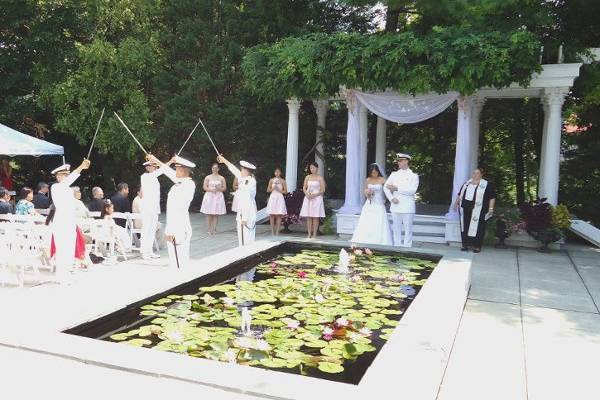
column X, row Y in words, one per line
column 480, row 192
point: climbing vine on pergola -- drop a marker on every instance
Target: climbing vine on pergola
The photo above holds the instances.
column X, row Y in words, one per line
column 445, row 59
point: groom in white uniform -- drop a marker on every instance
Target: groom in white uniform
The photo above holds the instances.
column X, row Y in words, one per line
column 400, row 189
column 150, row 208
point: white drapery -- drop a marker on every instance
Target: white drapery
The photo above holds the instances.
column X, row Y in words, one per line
column 406, row 109
column 390, row 106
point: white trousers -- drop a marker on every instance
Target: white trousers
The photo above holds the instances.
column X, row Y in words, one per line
column 149, row 225
column 64, row 238
column 249, row 234
column 406, row 220
column 183, row 251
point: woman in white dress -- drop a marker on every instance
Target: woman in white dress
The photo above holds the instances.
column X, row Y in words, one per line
column 373, row 226
column 213, row 203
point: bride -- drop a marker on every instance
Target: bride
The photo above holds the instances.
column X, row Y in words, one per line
column 373, row 226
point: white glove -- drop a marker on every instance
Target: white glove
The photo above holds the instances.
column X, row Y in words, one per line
column 489, row 214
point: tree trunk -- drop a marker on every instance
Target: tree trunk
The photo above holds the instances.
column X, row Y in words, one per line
column 391, row 19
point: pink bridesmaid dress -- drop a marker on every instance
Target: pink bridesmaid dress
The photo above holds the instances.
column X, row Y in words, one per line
column 313, row 208
column 213, row 203
column 276, row 203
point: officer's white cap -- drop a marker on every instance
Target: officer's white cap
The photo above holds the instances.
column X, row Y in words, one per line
column 400, row 156
column 62, row 168
column 150, row 163
column 247, row 165
column 182, row 162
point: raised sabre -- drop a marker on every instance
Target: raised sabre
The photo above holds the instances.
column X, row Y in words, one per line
column 128, row 131
column 95, row 134
column 188, row 138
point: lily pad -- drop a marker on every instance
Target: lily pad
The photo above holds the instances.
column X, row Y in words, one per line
column 330, row 368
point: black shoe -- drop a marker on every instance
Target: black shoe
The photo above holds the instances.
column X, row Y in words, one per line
column 476, row 250
column 464, row 249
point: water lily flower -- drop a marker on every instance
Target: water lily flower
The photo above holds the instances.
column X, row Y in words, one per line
column 291, row 323
column 327, row 333
column 207, row 298
column 175, row 336
column 244, row 342
column 365, row 331
column 262, row 345
column 273, row 265
column 368, row 252
column 231, row 355
column 341, row 322
column 354, row 337
column 228, row 301
column 355, row 278
column 353, row 246
column 319, row 298
column 302, row 274
column 358, row 252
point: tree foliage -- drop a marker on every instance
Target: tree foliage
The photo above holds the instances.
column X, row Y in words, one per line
column 445, row 59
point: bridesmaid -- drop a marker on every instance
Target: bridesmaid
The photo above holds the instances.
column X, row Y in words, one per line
column 313, row 207
column 276, row 204
column 213, row 203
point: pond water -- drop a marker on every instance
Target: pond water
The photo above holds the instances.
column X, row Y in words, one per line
column 292, row 312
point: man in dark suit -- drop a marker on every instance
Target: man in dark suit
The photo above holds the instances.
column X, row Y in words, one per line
column 5, row 206
column 41, row 199
column 121, row 202
column 97, row 200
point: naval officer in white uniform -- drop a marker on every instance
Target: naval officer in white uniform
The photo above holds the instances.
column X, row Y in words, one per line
column 149, row 208
column 65, row 219
column 400, row 189
column 178, row 228
column 246, row 195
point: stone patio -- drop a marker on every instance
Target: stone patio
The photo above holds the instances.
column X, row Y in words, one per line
column 530, row 328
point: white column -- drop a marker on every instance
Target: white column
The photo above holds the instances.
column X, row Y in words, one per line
column 380, row 143
column 321, row 107
column 476, row 104
column 463, row 148
column 364, row 146
column 352, row 200
column 291, row 161
column 550, row 162
column 543, row 147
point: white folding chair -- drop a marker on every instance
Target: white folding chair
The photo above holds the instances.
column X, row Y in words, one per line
column 23, row 251
column 104, row 238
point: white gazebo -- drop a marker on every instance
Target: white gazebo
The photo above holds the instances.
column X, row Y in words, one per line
column 551, row 85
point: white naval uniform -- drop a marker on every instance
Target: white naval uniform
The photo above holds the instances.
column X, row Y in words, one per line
column 150, row 209
column 246, row 207
column 178, row 217
column 403, row 212
column 64, row 223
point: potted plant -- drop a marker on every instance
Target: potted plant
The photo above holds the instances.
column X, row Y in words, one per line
column 293, row 203
column 544, row 222
column 507, row 222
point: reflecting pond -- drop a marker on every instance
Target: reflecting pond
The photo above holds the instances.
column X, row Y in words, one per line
column 300, row 314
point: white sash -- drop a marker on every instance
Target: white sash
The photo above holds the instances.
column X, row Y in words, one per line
column 476, row 209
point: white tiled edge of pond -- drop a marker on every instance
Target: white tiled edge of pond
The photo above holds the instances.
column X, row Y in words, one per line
column 413, row 359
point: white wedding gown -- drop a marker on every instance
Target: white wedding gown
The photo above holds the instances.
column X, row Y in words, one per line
column 373, row 226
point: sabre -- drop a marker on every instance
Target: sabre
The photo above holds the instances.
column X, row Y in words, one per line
column 188, row 138
column 95, row 134
column 209, row 138
column 128, row 131
column 176, row 256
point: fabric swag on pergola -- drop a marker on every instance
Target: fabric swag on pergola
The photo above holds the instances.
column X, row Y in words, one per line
column 391, row 106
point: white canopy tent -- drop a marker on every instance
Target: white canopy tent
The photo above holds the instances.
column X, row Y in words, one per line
column 15, row 143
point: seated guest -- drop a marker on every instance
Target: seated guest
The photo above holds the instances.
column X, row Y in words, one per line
column 41, row 199
column 24, row 205
column 121, row 201
column 97, row 199
column 122, row 238
column 81, row 210
column 136, row 209
column 5, row 206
